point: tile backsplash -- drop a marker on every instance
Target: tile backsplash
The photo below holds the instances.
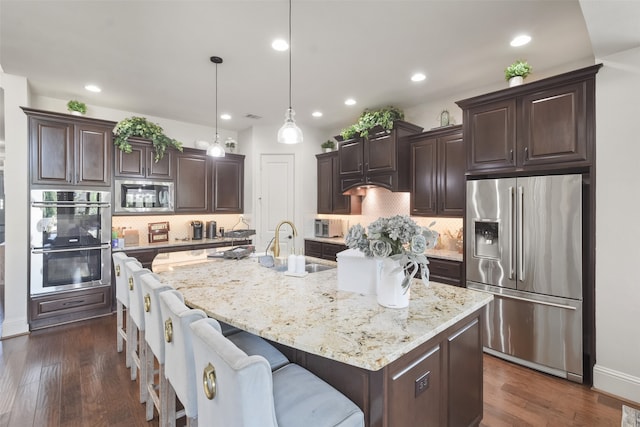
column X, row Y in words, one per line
column 179, row 225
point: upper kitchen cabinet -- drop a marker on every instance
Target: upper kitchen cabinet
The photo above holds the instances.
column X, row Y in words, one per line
column 438, row 165
column 227, row 181
column 140, row 163
column 68, row 150
column 546, row 124
column 192, row 190
column 377, row 160
column 330, row 198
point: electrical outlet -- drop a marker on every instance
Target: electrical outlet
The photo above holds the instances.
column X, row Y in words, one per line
column 422, row 384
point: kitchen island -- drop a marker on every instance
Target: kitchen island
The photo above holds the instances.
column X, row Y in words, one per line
column 416, row 366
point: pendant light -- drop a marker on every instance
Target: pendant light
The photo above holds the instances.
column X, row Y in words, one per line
column 216, row 149
column 289, row 133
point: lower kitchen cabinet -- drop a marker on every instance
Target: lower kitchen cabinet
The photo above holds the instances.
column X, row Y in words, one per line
column 69, row 306
column 323, row 250
column 445, row 271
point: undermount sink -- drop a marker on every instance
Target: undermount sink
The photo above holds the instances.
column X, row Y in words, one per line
column 314, row 268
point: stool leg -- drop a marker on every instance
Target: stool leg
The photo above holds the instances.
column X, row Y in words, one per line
column 130, row 332
column 120, row 323
column 171, row 405
column 192, row 422
column 135, row 356
column 164, row 400
column 142, row 354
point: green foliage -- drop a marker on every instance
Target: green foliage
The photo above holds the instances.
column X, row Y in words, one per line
column 328, row 144
column 78, row 106
column 369, row 119
column 141, row 127
column 518, row 68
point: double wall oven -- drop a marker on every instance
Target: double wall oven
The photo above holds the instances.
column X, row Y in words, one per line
column 70, row 240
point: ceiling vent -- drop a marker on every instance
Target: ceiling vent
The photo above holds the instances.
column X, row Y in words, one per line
column 252, row 116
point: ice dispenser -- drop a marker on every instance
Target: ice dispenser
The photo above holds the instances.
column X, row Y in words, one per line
column 486, row 239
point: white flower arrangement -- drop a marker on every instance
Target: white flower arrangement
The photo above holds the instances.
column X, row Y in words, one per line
column 399, row 238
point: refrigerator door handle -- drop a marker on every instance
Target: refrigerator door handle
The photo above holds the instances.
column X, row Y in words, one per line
column 511, row 231
column 520, row 237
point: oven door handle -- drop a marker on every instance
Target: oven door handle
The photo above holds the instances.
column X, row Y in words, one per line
column 70, row 205
column 79, row 248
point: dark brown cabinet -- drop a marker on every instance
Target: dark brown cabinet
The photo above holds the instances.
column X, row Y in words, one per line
column 140, row 163
column 437, row 173
column 192, row 189
column 445, row 271
column 68, row 150
column 323, row 250
column 227, row 182
column 330, row 198
column 377, row 160
column 69, row 306
column 542, row 125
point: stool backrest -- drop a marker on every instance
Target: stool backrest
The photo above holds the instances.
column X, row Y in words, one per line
column 154, row 326
column 122, row 291
column 178, row 349
column 134, row 272
column 243, row 394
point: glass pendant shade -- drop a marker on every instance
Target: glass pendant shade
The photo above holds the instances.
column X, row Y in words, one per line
column 215, row 149
column 289, row 133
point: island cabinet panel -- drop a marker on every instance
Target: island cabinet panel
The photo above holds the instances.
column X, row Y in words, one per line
column 227, row 182
column 141, row 163
column 544, row 125
column 69, row 151
column 445, row 271
column 192, row 182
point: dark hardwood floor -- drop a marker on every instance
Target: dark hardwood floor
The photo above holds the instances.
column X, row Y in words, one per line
column 71, row 375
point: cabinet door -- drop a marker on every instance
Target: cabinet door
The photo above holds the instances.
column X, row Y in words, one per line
column 351, row 154
column 93, row 155
column 192, row 183
column 340, row 204
column 131, row 164
column 424, row 163
column 490, row 130
column 553, row 126
column 325, row 184
column 52, row 154
column 451, row 170
column 380, row 154
column 162, row 168
column 228, row 185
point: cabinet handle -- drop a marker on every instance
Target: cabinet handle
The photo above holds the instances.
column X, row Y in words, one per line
column 359, row 167
column 148, row 171
column 526, row 153
column 78, row 177
column 70, row 177
column 511, row 155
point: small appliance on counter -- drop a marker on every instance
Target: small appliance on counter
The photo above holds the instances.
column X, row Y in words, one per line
column 196, row 230
column 328, row 227
column 211, row 230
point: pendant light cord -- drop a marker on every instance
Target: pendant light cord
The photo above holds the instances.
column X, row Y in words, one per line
column 216, row 136
column 290, row 77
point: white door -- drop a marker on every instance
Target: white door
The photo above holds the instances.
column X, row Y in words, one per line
column 276, row 199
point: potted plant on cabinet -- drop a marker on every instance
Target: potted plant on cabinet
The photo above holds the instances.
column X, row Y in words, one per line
column 76, row 108
column 516, row 72
column 141, row 127
column 230, row 144
column 328, row 146
column 370, row 120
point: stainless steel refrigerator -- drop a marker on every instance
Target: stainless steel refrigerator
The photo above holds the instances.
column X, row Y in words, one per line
column 524, row 245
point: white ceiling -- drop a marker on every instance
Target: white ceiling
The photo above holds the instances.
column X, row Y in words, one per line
column 152, row 57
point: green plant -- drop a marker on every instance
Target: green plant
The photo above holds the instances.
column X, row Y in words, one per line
column 369, row 119
column 230, row 144
column 139, row 126
column 78, row 106
column 518, row 68
column 328, row 144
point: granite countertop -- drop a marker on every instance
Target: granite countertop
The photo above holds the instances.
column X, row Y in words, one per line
column 224, row 241
column 310, row 313
column 431, row 253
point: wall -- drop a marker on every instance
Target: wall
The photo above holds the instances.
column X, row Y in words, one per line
column 16, row 94
column 617, row 369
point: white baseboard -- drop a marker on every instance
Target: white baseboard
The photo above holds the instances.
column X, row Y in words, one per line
column 11, row 328
column 617, row 383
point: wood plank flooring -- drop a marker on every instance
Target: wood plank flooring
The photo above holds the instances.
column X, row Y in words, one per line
column 71, row 375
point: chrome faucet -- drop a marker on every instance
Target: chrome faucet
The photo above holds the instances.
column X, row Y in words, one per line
column 276, row 243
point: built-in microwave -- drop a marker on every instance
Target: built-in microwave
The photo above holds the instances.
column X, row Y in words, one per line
column 143, row 196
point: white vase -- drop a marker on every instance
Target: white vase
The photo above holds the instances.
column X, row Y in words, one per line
column 389, row 284
column 328, row 150
column 516, row 81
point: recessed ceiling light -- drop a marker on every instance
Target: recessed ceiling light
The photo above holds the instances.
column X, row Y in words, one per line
column 350, row 101
column 317, row 114
column 93, row 88
column 418, row 77
column 280, row 45
column 520, row 40
column 225, row 116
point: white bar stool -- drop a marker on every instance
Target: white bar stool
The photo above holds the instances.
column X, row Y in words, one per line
column 238, row 390
column 122, row 304
column 179, row 352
